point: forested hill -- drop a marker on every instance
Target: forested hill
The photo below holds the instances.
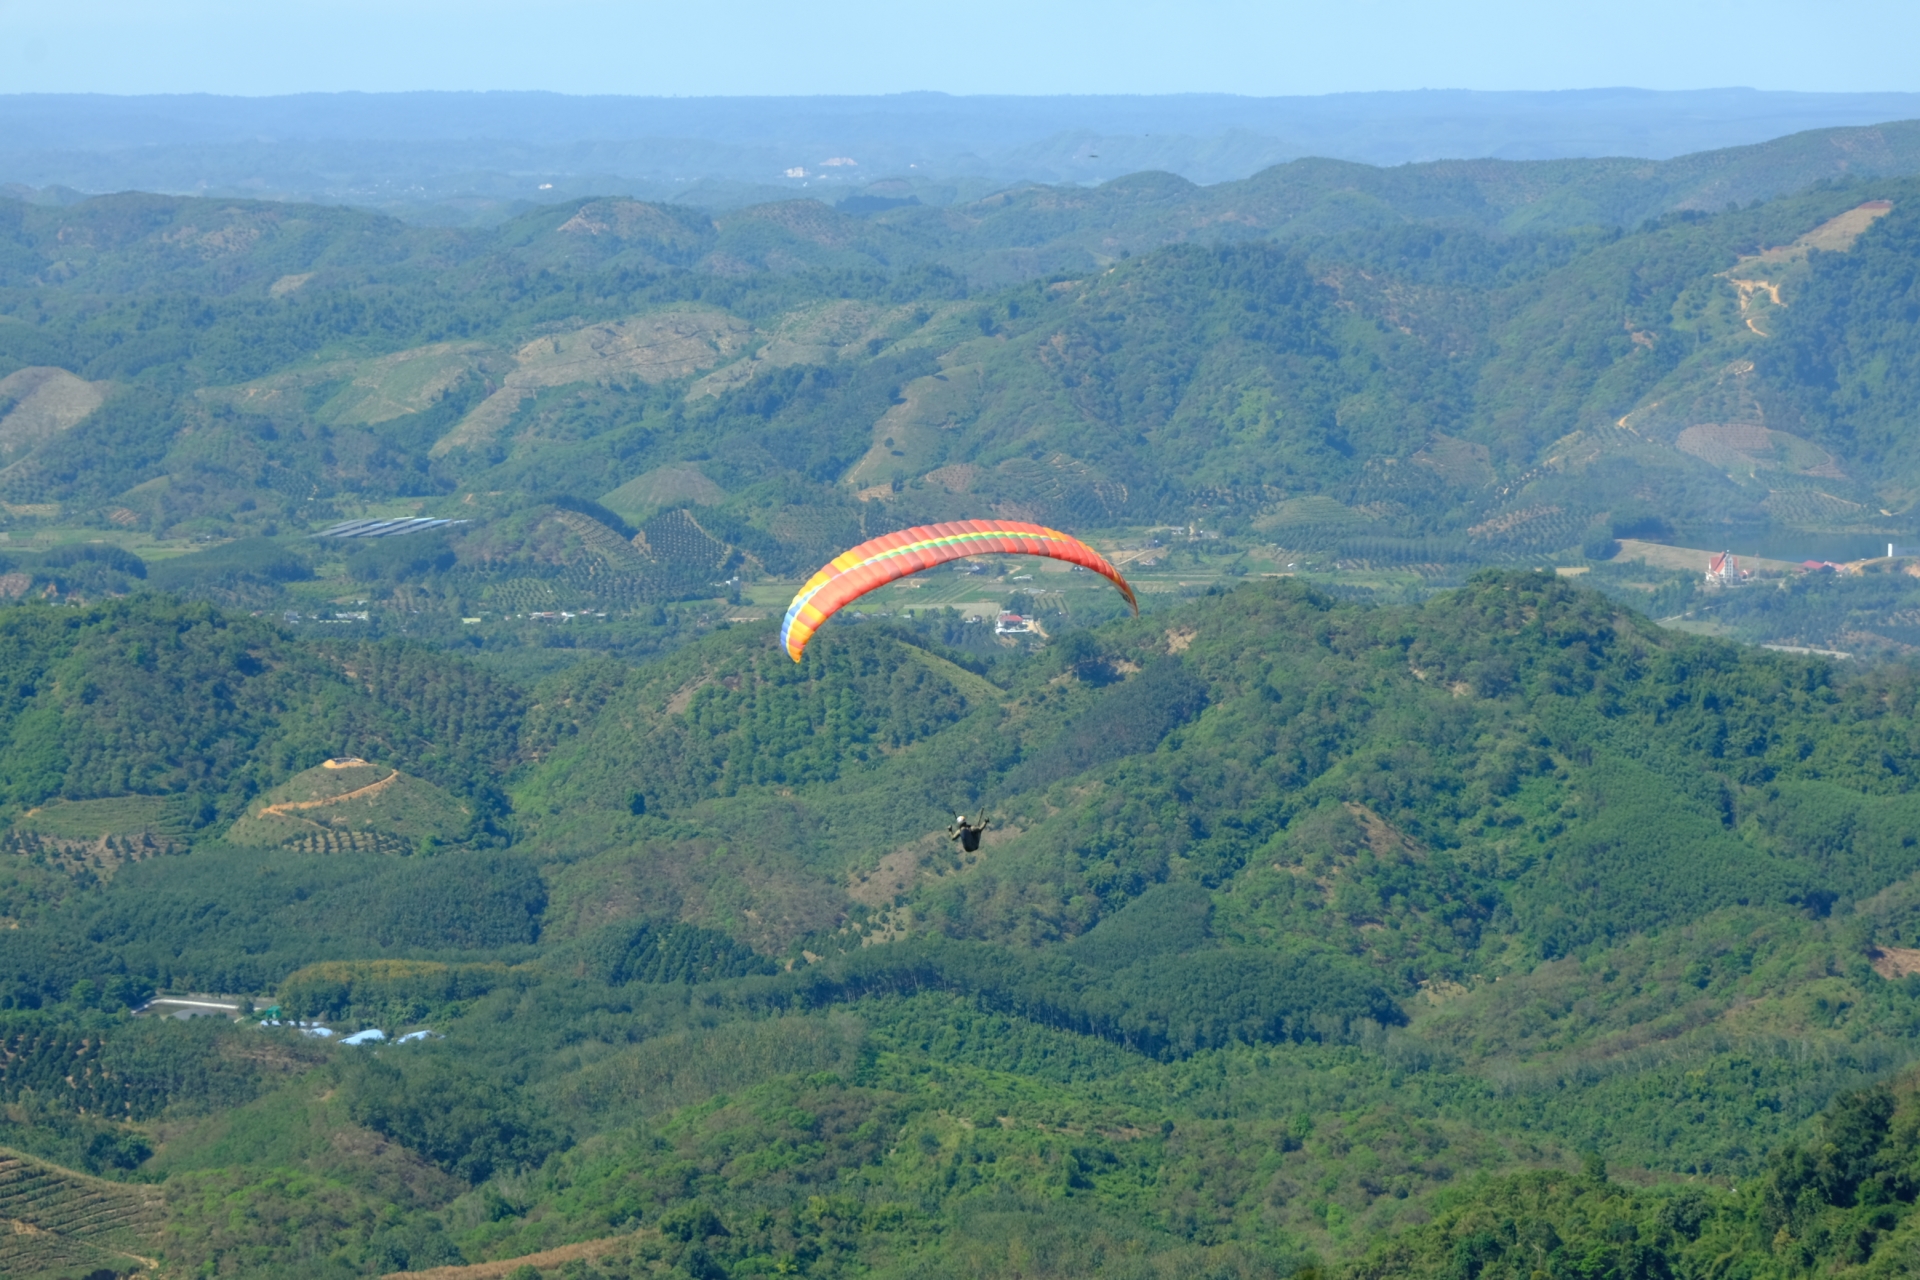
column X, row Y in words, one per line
column 1294, row 915
column 1408, row 388
column 1376, row 854
column 1309, row 196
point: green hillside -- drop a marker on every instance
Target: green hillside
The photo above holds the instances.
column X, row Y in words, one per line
column 1427, row 880
column 1839, row 1203
column 1445, row 373
column 1296, row 918
column 348, row 803
column 69, row 1224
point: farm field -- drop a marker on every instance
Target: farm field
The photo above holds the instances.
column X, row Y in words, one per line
column 64, row 1224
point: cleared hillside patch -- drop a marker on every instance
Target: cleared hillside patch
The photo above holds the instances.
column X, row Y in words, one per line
column 57, row 1222
column 39, row 403
column 664, row 487
column 652, row 348
column 351, row 805
column 115, row 816
column 556, row 1257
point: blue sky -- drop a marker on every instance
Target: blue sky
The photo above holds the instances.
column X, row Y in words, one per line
column 691, row 47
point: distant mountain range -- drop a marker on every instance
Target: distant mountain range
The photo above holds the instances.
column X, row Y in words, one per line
column 1441, row 365
column 464, row 157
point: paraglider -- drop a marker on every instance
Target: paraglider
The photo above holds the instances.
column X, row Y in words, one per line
column 891, row 556
column 966, row 833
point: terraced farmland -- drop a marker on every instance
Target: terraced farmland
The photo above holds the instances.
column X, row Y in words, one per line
column 87, row 861
column 56, row 1222
column 164, row 816
column 349, row 842
column 350, row 805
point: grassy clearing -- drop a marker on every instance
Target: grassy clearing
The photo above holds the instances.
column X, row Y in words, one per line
column 378, row 804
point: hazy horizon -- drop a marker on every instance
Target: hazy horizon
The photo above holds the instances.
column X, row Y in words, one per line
column 470, row 157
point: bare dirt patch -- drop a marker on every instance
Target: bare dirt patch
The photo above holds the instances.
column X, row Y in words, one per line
column 1894, row 962
column 1750, row 292
column 1757, row 275
column 358, row 793
column 893, row 877
column 1835, row 235
column 585, row 1249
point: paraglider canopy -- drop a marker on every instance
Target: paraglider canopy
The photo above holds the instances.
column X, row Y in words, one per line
column 892, row 556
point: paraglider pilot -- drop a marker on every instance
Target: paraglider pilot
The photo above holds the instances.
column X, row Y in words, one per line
column 967, row 834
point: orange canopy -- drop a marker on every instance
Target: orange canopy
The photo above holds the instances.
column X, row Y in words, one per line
column 891, row 556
